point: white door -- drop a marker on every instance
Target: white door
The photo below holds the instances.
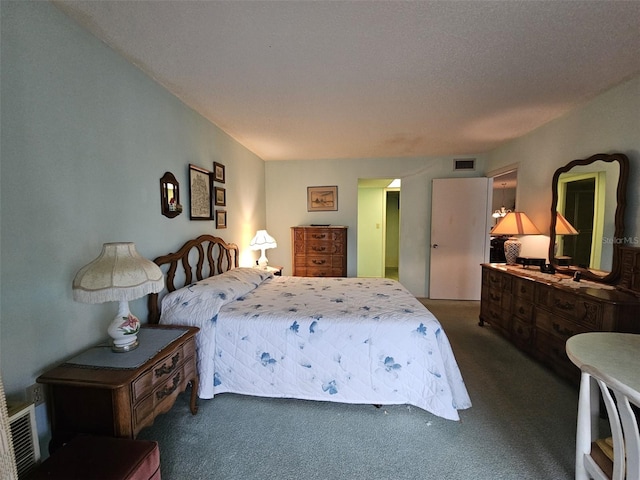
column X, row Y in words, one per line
column 459, row 237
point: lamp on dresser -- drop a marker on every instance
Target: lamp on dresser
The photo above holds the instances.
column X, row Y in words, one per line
column 262, row 241
column 119, row 274
column 514, row 223
column 563, row 227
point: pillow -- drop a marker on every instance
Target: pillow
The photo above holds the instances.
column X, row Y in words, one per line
column 200, row 302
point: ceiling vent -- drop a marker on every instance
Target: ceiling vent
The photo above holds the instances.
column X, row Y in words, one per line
column 464, row 163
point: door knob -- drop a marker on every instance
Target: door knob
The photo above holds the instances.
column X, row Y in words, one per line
column 435, row 245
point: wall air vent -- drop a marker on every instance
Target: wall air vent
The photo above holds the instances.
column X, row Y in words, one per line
column 464, row 163
column 22, row 420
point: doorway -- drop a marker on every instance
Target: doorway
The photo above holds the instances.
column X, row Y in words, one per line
column 378, row 231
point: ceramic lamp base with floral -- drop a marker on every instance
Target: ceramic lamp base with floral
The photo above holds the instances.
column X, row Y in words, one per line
column 124, row 330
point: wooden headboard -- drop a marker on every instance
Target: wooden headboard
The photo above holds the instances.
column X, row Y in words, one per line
column 197, row 259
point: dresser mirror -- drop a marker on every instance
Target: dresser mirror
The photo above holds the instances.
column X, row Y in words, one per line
column 170, row 196
column 589, row 194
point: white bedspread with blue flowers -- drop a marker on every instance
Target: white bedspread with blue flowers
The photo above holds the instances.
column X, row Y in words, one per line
column 351, row 340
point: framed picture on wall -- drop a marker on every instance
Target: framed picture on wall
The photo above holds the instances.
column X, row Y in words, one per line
column 221, row 219
column 322, row 199
column 219, row 197
column 218, row 172
column 200, row 193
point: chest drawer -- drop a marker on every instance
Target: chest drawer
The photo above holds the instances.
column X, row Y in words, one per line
column 497, row 280
column 558, row 326
column 577, row 308
column 319, row 261
column 523, row 309
column 523, row 289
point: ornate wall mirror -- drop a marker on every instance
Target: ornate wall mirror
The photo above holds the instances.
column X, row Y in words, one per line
column 587, row 216
column 170, row 196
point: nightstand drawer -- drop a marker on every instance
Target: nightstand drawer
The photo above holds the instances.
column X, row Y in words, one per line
column 163, row 394
column 157, row 374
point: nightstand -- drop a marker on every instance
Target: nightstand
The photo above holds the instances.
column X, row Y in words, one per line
column 101, row 392
column 275, row 269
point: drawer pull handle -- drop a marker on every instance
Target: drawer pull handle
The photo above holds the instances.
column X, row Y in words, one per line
column 319, row 262
column 564, row 305
column 318, row 249
column 562, row 331
column 164, row 370
column 319, row 236
column 166, row 391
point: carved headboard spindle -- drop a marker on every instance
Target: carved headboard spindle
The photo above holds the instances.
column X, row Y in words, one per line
column 199, row 258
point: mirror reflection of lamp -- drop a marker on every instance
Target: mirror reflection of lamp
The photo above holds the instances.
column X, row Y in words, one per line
column 563, row 227
column 262, row 241
column 514, row 223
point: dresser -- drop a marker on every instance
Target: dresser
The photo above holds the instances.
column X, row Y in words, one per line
column 101, row 392
column 319, row 251
column 538, row 312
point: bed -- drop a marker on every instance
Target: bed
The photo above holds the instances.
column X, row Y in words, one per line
column 350, row 340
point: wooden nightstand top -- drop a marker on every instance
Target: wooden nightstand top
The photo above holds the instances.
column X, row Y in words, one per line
column 75, row 372
column 275, row 269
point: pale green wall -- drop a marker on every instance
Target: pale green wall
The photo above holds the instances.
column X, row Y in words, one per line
column 371, row 217
column 85, row 139
column 610, row 123
column 286, row 187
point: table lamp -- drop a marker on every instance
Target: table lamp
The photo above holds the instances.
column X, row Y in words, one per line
column 119, row 274
column 262, row 241
column 563, row 227
column 514, row 223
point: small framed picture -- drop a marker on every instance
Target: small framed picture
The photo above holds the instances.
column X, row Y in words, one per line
column 221, row 219
column 200, row 193
column 218, row 172
column 322, row 199
column 219, row 197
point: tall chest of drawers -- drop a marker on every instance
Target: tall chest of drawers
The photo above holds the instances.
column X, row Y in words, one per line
column 539, row 312
column 319, row 251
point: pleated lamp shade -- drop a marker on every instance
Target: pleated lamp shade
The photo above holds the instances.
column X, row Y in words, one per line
column 262, row 241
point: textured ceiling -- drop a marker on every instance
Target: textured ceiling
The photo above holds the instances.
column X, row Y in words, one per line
column 352, row 79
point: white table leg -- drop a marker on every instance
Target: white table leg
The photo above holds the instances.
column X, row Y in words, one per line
column 587, row 428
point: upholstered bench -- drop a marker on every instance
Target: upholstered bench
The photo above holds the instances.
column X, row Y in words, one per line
column 101, row 458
